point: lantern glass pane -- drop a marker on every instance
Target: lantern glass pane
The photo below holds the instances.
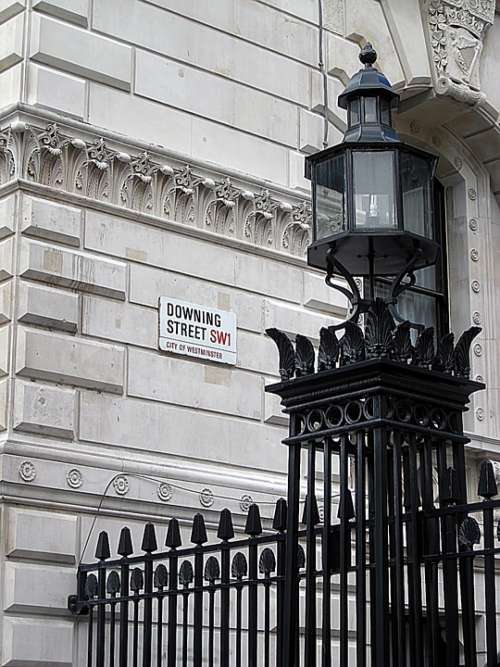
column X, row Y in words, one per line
column 354, row 112
column 416, row 181
column 374, row 189
column 385, row 111
column 371, row 110
column 330, row 197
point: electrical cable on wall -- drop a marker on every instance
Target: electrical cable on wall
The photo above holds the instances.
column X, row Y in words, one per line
column 322, row 69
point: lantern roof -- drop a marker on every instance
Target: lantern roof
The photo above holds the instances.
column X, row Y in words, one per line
column 368, row 80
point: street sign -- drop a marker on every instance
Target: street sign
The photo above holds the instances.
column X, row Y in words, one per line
column 197, row 331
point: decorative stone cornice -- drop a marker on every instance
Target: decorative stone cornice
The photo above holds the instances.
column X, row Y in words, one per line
column 140, row 182
column 457, row 29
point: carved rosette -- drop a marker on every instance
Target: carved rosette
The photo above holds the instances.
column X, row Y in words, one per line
column 140, row 182
column 457, row 29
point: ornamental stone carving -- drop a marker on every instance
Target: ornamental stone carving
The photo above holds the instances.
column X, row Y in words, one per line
column 245, row 501
column 120, row 485
column 27, row 471
column 141, row 182
column 74, row 478
column 165, row 492
column 206, row 498
column 457, row 29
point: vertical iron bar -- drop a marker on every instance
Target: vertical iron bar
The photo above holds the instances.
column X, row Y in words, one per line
column 198, row 609
column 101, row 616
column 381, row 604
column 449, row 546
column 360, row 552
column 290, row 615
column 371, row 538
column 112, row 624
column 224, row 605
column 431, row 567
column 252, row 602
column 414, row 573
column 159, row 631
column 489, row 587
column 327, row 584
column 135, row 640
column 185, row 621
column 148, row 611
column 211, row 623
column 90, row 636
column 267, row 623
column 397, row 584
column 344, row 528
column 124, row 592
column 280, row 592
column 172, row 610
column 310, row 629
column 239, row 591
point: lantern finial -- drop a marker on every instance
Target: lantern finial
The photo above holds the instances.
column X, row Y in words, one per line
column 368, row 55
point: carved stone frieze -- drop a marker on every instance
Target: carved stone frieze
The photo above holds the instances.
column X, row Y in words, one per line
column 457, row 29
column 141, row 182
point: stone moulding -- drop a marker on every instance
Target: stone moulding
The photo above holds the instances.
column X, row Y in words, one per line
column 139, row 182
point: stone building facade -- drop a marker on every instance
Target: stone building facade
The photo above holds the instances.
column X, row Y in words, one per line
column 156, row 148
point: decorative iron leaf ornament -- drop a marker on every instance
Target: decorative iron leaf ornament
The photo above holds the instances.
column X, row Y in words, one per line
column 469, row 532
column 304, row 356
column 352, row 344
column 461, row 355
column 423, row 355
column 402, row 349
column 212, row 570
column 161, row 576
column 91, row 586
column 379, row 328
column 267, row 562
column 113, row 583
column 239, row 566
column 328, row 349
column 186, row 574
column 498, row 531
column 301, row 557
column 286, row 352
column 136, row 580
column 443, row 361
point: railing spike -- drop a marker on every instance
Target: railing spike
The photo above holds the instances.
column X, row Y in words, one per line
column 225, row 530
column 346, row 506
column 102, row 551
column 149, row 539
column 253, row 525
column 450, row 491
column 280, row 516
column 316, row 519
column 487, row 487
column 174, row 539
column 125, row 547
column 199, row 532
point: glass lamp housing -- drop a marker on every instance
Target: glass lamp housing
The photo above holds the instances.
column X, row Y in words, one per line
column 372, row 194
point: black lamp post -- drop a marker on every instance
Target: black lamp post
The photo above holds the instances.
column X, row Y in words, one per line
column 372, row 194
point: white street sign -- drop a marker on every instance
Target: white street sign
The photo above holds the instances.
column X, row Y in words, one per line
column 196, row 331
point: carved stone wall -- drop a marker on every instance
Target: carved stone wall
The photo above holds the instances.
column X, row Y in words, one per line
column 140, row 182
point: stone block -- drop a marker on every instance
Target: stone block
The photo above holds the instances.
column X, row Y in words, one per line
column 317, row 295
column 45, row 410
column 294, row 320
column 311, row 131
column 51, row 221
column 7, row 215
column 147, row 285
column 146, row 425
column 273, row 412
column 158, row 247
column 4, row 396
column 9, row 8
column 296, row 178
column 75, row 11
column 336, row 115
column 4, row 350
column 6, row 302
column 257, row 353
column 47, row 307
column 68, row 360
column 212, row 96
column 120, row 322
column 267, row 276
column 36, row 535
column 195, row 137
column 11, row 41
column 6, row 259
column 306, row 9
column 342, row 57
column 37, row 642
column 193, row 43
column 38, row 589
column 80, row 52
column 65, row 268
column 257, row 23
column 50, row 89
column 11, row 85
column 193, row 384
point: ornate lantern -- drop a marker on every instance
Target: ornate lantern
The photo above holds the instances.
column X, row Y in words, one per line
column 372, row 194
